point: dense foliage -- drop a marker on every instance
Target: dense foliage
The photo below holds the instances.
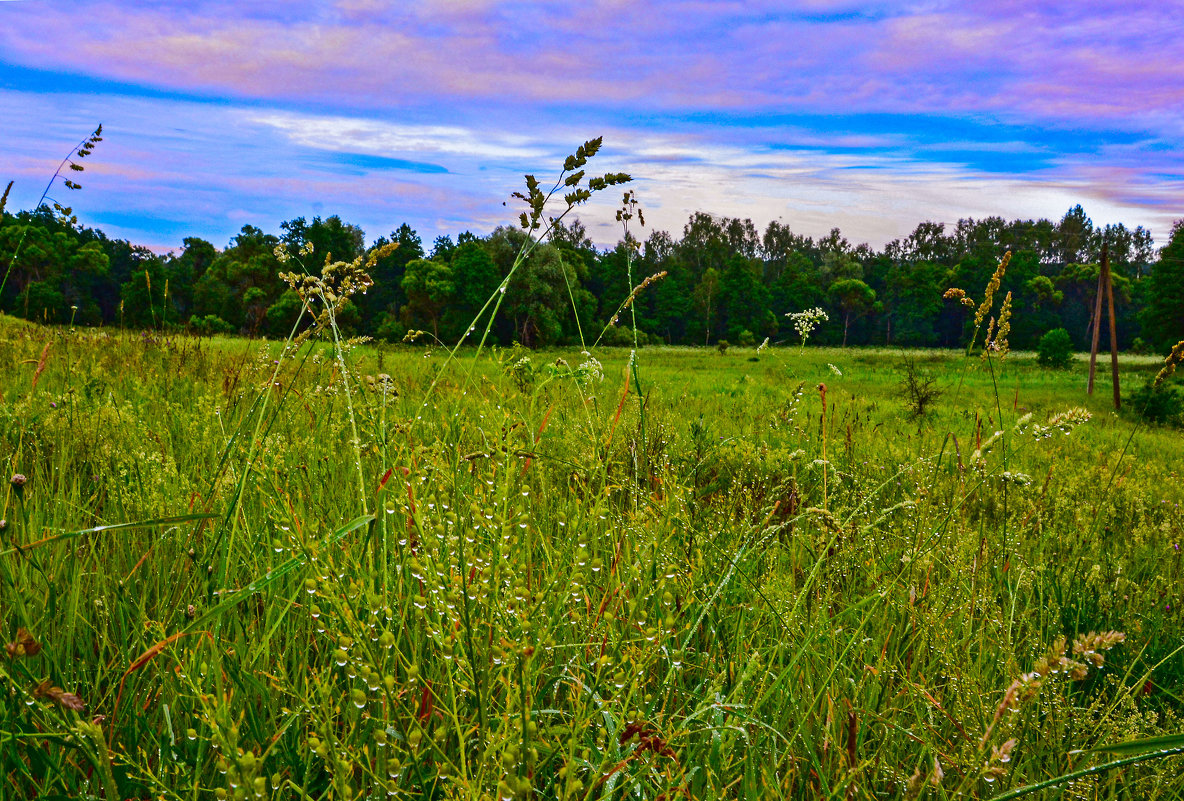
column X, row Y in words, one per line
column 723, row 280
column 1055, row 349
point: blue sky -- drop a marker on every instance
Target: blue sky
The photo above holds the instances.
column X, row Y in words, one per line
column 871, row 117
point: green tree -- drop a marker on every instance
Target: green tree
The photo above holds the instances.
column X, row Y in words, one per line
column 536, row 301
column 186, row 269
column 1163, row 317
column 428, row 287
column 854, row 298
column 283, row 314
column 474, row 279
column 225, row 288
column 706, row 297
column 744, row 300
column 386, row 296
column 330, row 238
column 913, row 309
column 143, row 296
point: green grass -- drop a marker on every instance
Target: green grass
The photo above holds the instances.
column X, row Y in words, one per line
column 535, row 595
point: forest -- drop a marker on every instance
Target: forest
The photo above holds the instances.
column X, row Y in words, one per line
column 721, row 280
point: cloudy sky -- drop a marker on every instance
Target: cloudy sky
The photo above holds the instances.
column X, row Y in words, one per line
column 867, row 116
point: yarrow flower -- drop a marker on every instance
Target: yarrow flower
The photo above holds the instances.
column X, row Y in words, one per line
column 804, row 322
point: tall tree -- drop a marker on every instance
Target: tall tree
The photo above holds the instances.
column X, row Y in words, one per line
column 706, row 299
column 429, row 288
column 386, row 296
column 853, row 298
column 475, row 278
column 1163, row 317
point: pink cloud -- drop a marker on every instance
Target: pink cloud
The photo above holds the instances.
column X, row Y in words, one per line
column 1009, row 57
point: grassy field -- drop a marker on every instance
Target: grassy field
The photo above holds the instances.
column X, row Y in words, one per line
column 524, row 583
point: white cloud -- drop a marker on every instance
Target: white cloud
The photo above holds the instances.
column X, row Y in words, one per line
column 376, row 137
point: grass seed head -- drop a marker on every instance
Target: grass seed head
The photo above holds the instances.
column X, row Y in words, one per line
column 1169, row 364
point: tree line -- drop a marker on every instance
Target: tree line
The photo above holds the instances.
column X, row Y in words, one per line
column 723, row 280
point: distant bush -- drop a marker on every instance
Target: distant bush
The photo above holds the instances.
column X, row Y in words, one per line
column 1163, row 405
column 919, row 389
column 617, row 337
column 209, row 325
column 722, row 346
column 1055, row 349
column 746, row 339
column 390, row 329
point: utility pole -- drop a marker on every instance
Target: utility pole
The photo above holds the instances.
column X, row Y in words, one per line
column 1113, row 325
column 1093, row 347
column 1105, row 286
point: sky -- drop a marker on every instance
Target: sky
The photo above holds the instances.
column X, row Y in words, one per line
column 871, row 117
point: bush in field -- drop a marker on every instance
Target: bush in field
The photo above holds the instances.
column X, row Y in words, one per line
column 1055, row 349
column 1162, row 404
column 919, row 389
column 209, row 325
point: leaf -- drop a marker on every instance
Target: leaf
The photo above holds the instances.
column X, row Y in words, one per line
column 160, row 521
column 1142, row 746
column 1064, row 778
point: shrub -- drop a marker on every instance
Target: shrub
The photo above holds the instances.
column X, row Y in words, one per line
column 1163, row 404
column 722, row 346
column 919, row 389
column 389, row 329
column 1055, row 349
column 617, row 337
column 746, row 339
column 209, row 325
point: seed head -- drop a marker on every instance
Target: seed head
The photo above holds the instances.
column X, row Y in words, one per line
column 1169, row 364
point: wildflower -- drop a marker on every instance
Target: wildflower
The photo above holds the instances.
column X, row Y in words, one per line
column 835, row 370
column 804, row 322
column 17, row 482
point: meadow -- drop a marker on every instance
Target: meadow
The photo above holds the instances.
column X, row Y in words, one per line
column 238, row 569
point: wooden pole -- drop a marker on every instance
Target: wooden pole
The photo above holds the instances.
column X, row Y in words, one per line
column 1113, row 324
column 1093, row 348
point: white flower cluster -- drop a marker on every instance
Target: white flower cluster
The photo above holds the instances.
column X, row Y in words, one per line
column 804, row 322
column 591, row 369
column 1063, row 423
